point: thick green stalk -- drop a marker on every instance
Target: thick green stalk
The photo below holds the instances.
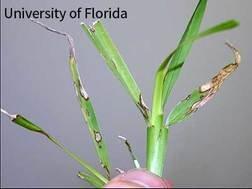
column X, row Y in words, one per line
column 156, row 149
column 157, row 134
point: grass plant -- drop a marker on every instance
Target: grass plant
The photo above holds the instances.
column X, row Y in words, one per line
column 157, row 120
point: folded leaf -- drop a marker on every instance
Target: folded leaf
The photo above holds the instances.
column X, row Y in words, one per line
column 203, row 94
column 104, row 44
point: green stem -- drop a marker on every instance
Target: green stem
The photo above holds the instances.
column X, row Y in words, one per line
column 157, row 133
column 156, row 149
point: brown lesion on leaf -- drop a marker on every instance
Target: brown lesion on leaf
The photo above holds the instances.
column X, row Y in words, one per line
column 83, row 93
column 206, row 87
column 113, row 65
column 98, row 137
column 106, row 169
column 92, row 29
column 142, row 106
column 210, row 88
column 188, row 97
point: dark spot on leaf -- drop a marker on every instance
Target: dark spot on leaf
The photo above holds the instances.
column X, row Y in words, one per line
column 188, row 97
column 82, row 90
column 143, row 108
column 92, row 29
column 97, row 136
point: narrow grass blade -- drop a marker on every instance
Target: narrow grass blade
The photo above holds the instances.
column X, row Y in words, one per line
column 27, row 124
column 104, row 44
column 90, row 118
column 134, row 159
column 203, row 94
column 227, row 25
column 85, row 104
column 91, row 180
column 182, row 52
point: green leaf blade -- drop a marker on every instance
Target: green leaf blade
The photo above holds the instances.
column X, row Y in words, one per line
column 104, row 44
column 182, row 52
column 227, row 25
column 25, row 123
column 84, row 101
column 89, row 116
column 183, row 109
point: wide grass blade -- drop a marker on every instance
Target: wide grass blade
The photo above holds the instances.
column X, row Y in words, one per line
column 104, row 44
column 85, row 104
column 27, row 124
column 203, row 94
column 182, row 52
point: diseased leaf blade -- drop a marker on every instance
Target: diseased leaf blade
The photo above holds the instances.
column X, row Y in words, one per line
column 183, row 109
column 89, row 116
column 199, row 97
column 104, row 44
column 85, row 102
